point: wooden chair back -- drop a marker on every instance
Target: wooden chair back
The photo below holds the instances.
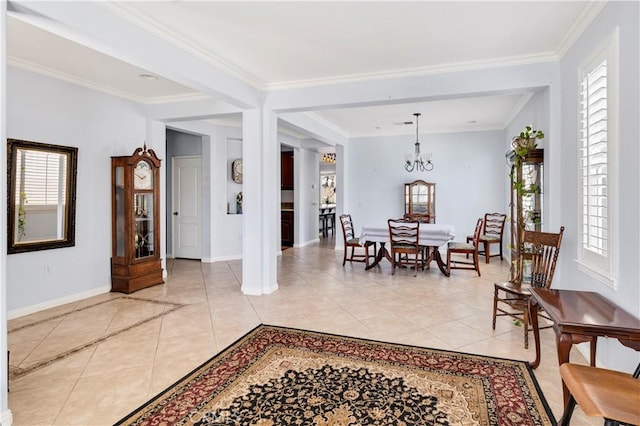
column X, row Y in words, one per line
column 467, row 248
column 477, row 232
column 347, row 228
column 494, row 224
column 538, row 255
column 404, row 241
column 404, row 233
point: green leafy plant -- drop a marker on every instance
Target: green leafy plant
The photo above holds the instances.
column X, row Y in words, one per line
column 22, row 216
column 525, row 142
column 522, row 183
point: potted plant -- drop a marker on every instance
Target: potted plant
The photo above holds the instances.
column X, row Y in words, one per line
column 525, row 142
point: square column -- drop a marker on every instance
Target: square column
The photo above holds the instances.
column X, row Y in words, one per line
column 261, row 213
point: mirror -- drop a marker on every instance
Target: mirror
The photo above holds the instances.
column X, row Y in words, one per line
column 41, row 196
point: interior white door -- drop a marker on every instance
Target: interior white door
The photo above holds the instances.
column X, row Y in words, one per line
column 187, row 207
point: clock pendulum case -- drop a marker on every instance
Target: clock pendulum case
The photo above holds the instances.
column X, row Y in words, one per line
column 135, row 221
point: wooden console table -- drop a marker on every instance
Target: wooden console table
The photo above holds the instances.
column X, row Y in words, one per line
column 581, row 316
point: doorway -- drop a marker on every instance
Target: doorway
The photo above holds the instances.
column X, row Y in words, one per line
column 186, row 207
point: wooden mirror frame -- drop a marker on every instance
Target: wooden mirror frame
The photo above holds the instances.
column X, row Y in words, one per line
column 68, row 235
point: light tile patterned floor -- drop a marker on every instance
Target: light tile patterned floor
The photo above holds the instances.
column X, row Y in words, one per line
column 132, row 351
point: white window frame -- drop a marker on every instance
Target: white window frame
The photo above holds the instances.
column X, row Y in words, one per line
column 602, row 268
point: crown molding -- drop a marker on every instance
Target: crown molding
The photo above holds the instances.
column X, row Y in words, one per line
column 434, row 131
column 579, row 26
column 59, row 75
column 180, row 42
column 224, row 122
column 176, row 98
column 418, row 71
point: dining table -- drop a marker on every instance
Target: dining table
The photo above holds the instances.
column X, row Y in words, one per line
column 431, row 236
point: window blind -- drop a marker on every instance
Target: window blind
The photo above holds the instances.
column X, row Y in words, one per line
column 40, row 178
column 594, row 160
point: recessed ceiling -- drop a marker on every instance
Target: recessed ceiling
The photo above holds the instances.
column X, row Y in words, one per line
column 41, row 51
column 282, row 43
column 290, row 44
column 444, row 116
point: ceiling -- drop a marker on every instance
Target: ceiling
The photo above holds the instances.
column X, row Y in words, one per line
column 274, row 45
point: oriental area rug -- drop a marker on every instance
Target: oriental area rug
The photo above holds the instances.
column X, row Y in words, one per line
column 276, row 376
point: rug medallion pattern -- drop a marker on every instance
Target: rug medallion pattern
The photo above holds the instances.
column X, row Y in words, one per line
column 276, row 376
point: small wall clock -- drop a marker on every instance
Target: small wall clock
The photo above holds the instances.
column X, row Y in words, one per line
column 236, row 171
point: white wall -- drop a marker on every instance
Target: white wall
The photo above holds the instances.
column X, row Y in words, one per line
column 41, row 109
column 307, row 189
column 625, row 15
column 469, row 174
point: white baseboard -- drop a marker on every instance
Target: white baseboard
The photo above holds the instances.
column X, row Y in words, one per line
column 6, row 418
column 221, row 258
column 257, row 293
column 306, row 243
column 16, row 313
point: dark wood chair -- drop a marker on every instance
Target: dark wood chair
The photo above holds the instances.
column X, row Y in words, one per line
column 404, row 244
column 353, row 242
column 468, row 248
column 492, row 233
column 612, row 395
column 537, row 257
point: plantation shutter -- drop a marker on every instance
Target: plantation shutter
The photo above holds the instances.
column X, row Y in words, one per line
column 594, row 160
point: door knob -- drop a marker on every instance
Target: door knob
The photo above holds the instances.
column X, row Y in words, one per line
column 175, row 213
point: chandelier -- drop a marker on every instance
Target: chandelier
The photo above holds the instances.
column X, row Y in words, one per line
column 417, row 161
column 329, row 157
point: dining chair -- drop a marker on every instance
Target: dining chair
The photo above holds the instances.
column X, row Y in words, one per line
column 492, row 233
column 468, row 248
column 536, row 260
column 404, row 235
column 353, row 242
column 610, row 394
column 422, row 218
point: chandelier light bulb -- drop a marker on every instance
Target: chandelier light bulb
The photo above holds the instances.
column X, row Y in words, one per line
column 418, row 161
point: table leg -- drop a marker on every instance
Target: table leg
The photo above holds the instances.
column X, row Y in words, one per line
column 439, row 261
column 382, row 253
column 533, row 318
column 592, row 352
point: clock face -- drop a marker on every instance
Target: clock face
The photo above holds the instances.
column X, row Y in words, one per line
column 142, row 176
column 236, row 171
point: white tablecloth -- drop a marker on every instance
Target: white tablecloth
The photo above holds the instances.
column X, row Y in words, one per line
column 431, row 234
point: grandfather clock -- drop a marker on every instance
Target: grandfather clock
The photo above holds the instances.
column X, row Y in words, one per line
column 135, row 221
